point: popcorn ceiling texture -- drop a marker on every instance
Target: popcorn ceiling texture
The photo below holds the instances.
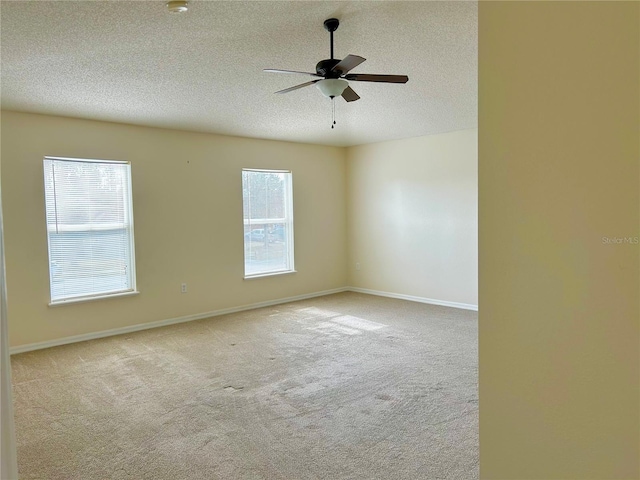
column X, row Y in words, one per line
column 133, row 62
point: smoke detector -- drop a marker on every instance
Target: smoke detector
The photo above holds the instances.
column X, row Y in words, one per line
column 177, row 6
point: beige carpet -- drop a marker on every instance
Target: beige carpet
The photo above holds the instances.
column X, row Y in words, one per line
column 347, row 386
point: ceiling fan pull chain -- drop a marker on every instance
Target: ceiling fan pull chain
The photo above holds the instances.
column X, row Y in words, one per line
column 333, row 111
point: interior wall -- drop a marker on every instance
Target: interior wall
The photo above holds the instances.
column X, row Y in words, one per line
column 8, row 454
column 412, row 217
column 187, row 201
column 559, row 325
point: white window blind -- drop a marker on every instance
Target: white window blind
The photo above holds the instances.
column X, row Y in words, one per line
column 89, row 227
column 268, row 222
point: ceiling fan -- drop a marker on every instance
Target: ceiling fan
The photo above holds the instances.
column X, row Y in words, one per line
column 334, row 73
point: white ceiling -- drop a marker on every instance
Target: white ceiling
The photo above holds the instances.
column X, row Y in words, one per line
column 133, row 62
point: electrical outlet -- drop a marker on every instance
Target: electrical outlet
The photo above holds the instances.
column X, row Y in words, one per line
column 357, row 265
column 183, row 288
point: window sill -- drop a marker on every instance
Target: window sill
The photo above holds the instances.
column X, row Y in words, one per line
column 57, row 303
column 270, row 274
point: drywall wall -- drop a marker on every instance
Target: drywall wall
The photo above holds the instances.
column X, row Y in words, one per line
column 412, row 217
column 559, row 173
column 8, row 454
column 187, row 202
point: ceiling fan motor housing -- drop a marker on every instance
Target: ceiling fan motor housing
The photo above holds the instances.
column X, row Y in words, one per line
column 324, row 68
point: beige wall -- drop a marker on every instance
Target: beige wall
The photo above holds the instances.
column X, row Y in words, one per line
column 187, row 202
column 8, row 460
column 412, row 216
column 558, row 171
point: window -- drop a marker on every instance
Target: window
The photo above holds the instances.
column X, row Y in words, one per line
column 268, row 222
column 89, row 227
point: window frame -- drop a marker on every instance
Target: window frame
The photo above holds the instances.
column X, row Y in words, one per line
column 288, row 220
column 133, row 290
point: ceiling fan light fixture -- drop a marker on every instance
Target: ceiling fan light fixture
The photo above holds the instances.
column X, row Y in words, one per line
column 332, row 87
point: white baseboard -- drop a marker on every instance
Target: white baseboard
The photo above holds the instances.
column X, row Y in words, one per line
column 199, row 316
column 431, row 301
column 170, row 321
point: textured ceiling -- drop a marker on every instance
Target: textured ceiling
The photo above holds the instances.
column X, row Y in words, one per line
column 133, row 62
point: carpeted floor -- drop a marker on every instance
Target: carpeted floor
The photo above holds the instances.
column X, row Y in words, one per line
column 346, row 386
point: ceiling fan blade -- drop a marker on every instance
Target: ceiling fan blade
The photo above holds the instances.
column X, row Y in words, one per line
column 349, row 95
column 290, row 89
column 364, row 77
column 347, row 63
column 275, row 70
